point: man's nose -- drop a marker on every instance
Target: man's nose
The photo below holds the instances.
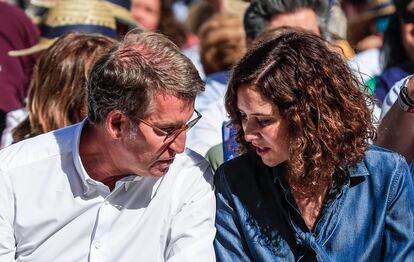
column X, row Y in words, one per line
column 178, row 144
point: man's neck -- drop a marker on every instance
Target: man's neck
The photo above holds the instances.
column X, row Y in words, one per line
column 94, row 151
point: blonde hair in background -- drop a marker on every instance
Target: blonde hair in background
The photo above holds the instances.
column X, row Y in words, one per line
column 57, row 94
column 222, row 42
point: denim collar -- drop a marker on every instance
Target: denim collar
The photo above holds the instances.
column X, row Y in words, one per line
column 359, row 170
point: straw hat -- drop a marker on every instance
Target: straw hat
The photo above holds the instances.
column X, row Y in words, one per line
column 235, row 7
column 120, row 9
column 358, row 26
column 91, row 16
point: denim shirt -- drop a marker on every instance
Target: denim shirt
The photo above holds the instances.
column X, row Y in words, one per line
column 370, row 217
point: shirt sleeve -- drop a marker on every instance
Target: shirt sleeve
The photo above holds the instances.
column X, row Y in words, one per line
column 398, row 240
column 229, row 244
column 391, row 97
column 192, row 229
column 7, row 240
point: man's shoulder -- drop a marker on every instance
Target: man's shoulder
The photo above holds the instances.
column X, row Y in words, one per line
column 190, row 159
column 189, row 172
column 39, row 148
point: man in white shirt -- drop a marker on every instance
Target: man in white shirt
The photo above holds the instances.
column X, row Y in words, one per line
column 119, row 186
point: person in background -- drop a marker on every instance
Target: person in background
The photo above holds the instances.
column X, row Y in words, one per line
column 398, row 49
column 396, row 130
column 92, row 16
column 308, row 186
column 158, row 16
column 16, row 32
column 337, row 26
column 222, row 43
column 57, row 96
column 366, row 30
column 261, row 15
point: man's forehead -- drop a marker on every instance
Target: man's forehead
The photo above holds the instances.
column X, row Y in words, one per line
column 165, row 105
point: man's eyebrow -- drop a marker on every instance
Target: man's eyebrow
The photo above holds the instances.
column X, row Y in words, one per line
column 168, row 123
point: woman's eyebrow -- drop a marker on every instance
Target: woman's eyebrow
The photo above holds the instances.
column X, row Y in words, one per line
column 262, row 114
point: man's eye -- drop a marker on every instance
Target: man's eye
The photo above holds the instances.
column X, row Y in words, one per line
column 167, row 129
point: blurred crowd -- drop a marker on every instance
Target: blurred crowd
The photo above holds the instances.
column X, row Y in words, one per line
column 375, row 36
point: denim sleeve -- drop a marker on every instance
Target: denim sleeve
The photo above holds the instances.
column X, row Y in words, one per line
column 398, row 240
column 229, row 244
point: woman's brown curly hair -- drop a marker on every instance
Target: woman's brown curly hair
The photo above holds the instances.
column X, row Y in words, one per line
column 328, row 119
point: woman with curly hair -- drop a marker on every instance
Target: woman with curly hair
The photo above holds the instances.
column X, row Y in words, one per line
column 308, row 187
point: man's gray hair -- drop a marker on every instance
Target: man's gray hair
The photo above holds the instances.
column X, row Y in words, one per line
column 128, row 77
column 260, row 12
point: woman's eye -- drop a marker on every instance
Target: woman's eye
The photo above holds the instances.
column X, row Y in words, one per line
column 264, row 122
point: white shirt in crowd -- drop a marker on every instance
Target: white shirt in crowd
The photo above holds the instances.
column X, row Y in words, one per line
column 13, row 119
column 51, row 210
column 207, row 132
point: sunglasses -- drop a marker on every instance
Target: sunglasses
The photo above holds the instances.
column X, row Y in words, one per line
column 173, row 134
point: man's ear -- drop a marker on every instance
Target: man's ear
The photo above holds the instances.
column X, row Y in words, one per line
column 117, row 124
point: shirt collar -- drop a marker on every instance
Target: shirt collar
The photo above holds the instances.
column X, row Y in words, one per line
column 87, row 181
column 359, row 170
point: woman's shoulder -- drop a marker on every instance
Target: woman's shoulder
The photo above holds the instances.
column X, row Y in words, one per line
column 381, row 164
column 376, row 153
column 241, row 170
column 245, row 162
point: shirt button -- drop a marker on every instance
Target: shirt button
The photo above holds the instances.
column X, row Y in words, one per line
column 98, row 245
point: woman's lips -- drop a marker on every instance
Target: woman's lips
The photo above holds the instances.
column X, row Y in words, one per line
column 262, row 150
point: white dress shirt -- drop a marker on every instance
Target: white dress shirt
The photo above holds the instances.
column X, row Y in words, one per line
column 51, row 210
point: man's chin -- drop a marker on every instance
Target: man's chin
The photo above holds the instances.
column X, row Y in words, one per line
column 159, row 170
column 160, row 167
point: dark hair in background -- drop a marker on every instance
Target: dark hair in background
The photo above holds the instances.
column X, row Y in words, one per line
column 328, row 120
column 127, row 77
column 57, row 94
column 170, row 26
column 260, row 12
column 393, row 51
